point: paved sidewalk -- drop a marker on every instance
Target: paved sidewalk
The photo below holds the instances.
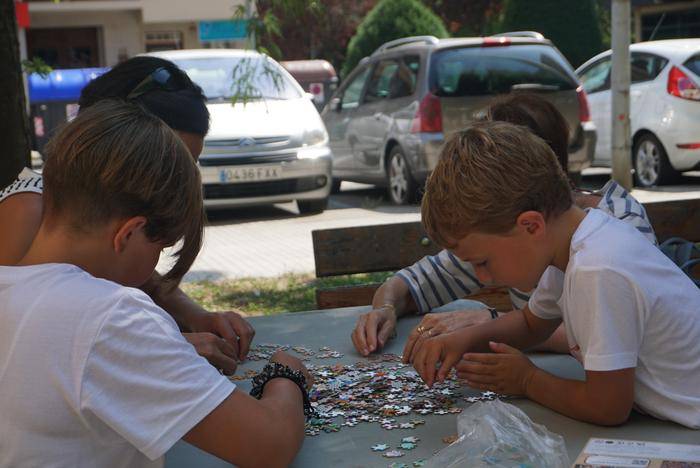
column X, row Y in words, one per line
column 271, row 241
column 272, row 247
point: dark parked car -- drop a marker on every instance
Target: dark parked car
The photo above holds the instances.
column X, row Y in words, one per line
column 388, row 119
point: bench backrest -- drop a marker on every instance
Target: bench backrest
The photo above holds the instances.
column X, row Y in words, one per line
column 390, row 247
column 364, row 249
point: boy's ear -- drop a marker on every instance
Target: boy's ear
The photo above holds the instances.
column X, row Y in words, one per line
column 126, row 230
column 531, row 222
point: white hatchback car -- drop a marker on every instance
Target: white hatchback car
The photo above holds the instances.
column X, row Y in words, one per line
column 272, row 148
column 664, row 108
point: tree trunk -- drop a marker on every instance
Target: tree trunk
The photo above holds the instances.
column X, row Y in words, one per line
column 14, row 127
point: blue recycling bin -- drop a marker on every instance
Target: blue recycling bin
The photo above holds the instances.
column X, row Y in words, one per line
column 53, row 100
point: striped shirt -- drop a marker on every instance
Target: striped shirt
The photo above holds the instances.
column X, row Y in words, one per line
column 26, row 181
column 436, row 280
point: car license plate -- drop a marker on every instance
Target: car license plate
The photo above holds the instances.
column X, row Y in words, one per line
column 232, row 175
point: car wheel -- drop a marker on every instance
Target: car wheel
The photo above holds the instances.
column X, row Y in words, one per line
column 401, row 186
column 651, row 165
column 312, row 206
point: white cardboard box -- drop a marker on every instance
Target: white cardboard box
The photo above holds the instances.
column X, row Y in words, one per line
column 617, row 453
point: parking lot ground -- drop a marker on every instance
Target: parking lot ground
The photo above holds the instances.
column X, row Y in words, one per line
column 271, row 241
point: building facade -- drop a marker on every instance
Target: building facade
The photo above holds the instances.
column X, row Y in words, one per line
column 102, row 33
column 656, row 19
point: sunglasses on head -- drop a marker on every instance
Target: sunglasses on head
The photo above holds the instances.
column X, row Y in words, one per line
column 160, row 79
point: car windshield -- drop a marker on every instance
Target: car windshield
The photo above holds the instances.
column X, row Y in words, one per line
column 244, row 78
column 470, row 71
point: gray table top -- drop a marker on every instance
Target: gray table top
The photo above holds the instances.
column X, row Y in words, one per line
column 351, row 447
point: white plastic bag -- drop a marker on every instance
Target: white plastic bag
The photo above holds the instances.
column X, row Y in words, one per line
column 494, row 434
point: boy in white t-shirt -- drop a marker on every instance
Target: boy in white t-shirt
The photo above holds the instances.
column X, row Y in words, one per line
column 92, row 372
column 499, row 200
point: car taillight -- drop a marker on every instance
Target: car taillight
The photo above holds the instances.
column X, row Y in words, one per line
column 428, row 118
column 495, row 42
column 584, row 113
column 680, row 85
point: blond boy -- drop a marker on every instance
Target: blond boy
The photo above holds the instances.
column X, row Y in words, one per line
column 93, row 373
column 499, row 200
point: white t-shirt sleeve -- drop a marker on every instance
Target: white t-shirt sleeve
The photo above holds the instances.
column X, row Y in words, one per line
column 144, row 381
column 544, row 301
column 606, row 316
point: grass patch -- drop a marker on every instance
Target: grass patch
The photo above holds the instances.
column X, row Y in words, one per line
column 268, row 296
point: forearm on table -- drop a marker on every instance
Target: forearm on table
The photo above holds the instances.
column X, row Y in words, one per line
column 519, row 329
column 578, row 399
column 249, row 432
column 173, row 300
column 284, row 402
column 281, row 424
column 395, row 291
column 556, row 343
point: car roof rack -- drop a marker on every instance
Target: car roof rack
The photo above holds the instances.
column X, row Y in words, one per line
column 406, row 40
column 530, row 34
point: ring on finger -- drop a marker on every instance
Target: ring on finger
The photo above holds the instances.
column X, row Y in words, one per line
column 420, row 329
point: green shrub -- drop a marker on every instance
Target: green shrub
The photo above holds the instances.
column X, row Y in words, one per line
column 389, row 20
column 572, row 25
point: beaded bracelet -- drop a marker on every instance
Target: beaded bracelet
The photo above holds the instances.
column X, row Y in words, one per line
column 275, row 370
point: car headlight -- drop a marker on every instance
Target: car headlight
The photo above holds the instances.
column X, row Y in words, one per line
column 315, row 136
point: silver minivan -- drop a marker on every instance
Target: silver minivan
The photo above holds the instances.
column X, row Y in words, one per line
column 388, row 120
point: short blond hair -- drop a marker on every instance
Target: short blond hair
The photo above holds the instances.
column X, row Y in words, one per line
column 488, row 174
column 117, row 160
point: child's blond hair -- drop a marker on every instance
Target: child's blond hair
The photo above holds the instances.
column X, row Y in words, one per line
column 488, row 174
column 116, row 160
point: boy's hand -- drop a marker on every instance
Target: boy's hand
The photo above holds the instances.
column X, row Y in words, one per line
column 214, row 349
column 374, row 329
column 230, row 326
column 293, row 363
column 426, row 353
column 507, row 372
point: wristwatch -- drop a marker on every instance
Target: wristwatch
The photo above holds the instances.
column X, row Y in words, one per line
column 494, row 312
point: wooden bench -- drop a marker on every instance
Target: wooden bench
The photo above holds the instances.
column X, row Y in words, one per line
column 391, row 247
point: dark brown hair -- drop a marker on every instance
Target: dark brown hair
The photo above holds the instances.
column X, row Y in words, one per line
column 117, row 160
column 540, row 116
column 183, row 109
column 487, row 175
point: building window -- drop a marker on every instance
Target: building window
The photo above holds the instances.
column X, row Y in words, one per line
column 163, row 40
column 671, row 25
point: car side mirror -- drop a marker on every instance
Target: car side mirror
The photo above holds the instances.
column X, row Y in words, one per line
column 336, row 104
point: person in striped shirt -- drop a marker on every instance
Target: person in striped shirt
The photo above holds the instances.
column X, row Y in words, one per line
column 441, row 279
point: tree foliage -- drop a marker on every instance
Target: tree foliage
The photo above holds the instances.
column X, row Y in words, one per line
column 306, row 29
column 391, row 19
column 572, row 25
column 472, row 18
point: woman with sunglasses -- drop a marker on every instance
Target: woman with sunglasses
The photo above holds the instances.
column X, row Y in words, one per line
column 167, row 92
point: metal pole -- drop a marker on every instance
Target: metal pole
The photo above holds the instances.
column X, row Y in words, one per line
column 249, row 10
column 22, row 39
column 621, row 151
